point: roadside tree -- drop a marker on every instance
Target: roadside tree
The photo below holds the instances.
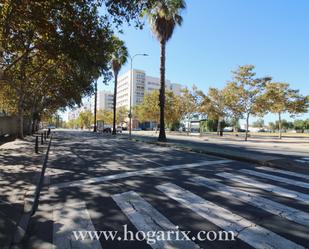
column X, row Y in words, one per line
column 164, row 16
column 248, row 91
column 279, row 98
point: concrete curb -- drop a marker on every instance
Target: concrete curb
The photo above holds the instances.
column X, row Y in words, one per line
column 269, row 163
column 31, row 203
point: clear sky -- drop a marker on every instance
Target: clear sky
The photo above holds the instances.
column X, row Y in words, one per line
column 218, row 35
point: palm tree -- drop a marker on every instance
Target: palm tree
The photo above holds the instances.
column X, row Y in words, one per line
column 163, row 17
column 119, row 58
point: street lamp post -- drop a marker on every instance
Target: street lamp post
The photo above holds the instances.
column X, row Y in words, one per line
column 131, row 88
column 95, row 106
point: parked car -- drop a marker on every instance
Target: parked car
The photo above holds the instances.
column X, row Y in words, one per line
column 107, row 130
column 242, row 130
column 228, row 129
column 119, row 129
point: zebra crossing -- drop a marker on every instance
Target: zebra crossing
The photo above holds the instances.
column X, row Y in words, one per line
column 145, row 217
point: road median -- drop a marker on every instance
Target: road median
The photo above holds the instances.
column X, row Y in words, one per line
column 259, row 158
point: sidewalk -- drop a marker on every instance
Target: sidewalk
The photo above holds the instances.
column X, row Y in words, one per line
column 284, row 154
column 20, row 168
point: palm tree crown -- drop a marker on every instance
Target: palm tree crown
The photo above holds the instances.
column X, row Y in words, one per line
column 164, row 16
column 119, row 56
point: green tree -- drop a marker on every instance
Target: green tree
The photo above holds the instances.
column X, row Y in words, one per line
column 122, row 114
column 258, row 123
column 119, row 58
column 191, row 104
column 214, row 105
column 36, row 37
column 300, row 125
column 280, row 98
column 272, row 126
column 247, row 91
column 85, row 119
column 164, row 16
column 106, row 116
column 149, row 109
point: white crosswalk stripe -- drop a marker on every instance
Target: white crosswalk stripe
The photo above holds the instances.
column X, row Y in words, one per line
column 249, row 232
column 285, row 172
column 302, row 160
column 267, row 187
column 69, row 218
column 253, row 199
column 276, row 178
column 128, row 174
column 147, row 219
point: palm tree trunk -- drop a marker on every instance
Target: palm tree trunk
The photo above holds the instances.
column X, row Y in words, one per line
column 280, row 126
column 247, row 126
column 162, row 135
column 114, row 102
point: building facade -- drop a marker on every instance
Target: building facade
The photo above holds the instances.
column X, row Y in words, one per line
column 141, row 84
column 105, row 100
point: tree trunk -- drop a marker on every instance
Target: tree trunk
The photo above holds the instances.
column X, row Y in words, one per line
column 219, row 127
column 162, row 135
column 247, row 126
column 20, row 133
column 95, row 107
column 280, row 126
column 114, row 102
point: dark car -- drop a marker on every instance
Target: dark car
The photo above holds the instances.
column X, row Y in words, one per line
column 107, row 130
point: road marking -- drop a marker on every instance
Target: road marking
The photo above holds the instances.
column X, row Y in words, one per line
column 276, row 178
column 268, row 187
column 302, row 161
column 249, row 232
column 285, row 172
column 147, row 219
column 71, row 218
column 136, row 173
column 253, row 199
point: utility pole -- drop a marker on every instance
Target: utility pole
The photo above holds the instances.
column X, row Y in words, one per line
column 95, row 106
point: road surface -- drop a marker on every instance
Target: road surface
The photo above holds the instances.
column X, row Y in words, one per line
column 102, row 183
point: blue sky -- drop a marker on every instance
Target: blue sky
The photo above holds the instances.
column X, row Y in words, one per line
column 218, row 35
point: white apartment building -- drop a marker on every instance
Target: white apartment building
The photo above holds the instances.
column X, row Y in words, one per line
column 105, row 100
column 141, row 84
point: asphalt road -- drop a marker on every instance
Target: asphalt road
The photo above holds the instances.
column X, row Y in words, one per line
column 111, row 184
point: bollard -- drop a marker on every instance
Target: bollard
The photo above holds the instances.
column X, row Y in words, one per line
column 45, row 135
column 36, row 148
column 42, row 141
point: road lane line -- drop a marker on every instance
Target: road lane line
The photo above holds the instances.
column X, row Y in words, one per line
column 136, row 173
column 276, row 178
column 290, row 173
column 71, row 218
column 249, row 232
column 253, row 199
column 265, row 186
column 301, row 161
column 147, row 219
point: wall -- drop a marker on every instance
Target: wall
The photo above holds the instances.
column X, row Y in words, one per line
column 9, row 125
